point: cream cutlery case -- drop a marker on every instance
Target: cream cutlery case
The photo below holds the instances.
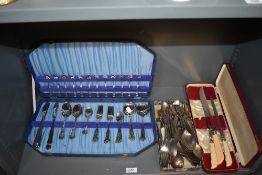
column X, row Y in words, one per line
column 242, row 140
column 91, row 74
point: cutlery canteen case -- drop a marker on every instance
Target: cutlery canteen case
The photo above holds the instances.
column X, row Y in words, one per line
column 241, row 136
column 91, row 74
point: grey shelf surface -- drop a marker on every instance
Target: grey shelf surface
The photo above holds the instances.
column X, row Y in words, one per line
column 146, row 163
column 81, row 10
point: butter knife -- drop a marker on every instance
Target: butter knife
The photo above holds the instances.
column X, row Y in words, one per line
column 222, row 135
column 38, row 136
column 51, row 133
column 217, row 156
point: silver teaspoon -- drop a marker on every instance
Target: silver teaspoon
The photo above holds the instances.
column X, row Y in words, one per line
column 142, row 110
column 129, row 109
column 88, row 115
column 119, row 119
column 77, row 111
column 66, row 112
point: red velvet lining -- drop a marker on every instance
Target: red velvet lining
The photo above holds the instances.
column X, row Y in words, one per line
column 201, row 123
column 193, row 94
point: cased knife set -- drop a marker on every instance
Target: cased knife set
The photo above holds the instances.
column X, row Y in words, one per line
column 93, row 99
column 223, row 125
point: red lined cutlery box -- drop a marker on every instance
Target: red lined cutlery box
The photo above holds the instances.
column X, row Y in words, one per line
column 232, row 117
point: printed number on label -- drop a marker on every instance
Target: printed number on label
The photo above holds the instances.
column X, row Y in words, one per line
column 131, row 170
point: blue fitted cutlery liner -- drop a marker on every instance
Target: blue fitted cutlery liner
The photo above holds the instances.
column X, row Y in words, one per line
column 92, row 74
column 92, row 69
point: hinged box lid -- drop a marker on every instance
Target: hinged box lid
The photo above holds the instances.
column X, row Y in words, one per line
column 244, row 134
column 92, row 69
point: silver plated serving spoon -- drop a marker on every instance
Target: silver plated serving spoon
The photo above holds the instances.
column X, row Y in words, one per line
column 129, row 109
column 66, row 112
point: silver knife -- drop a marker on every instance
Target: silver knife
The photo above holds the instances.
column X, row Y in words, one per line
column 222, row 135
column 38, row 136
column 217, row 156
column 51, row 132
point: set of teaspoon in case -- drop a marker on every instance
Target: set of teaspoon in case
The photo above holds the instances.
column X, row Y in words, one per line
column 95, row 85
column 92, row 120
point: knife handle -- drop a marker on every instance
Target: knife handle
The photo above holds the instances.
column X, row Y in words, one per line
column 218, row 149
column 38, row 138
column 50, row 137
column 227, row 154
column 213, row 155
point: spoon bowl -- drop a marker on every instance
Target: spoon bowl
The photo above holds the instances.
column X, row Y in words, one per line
column 129, row 109
column 88, row 112
column 66, row 109
column 119, row 117
column 177, row 161
column 198, row 151
column 188, row 140
column 142, row 109
column 172, row 147
column 77, row 110
column 164, row 106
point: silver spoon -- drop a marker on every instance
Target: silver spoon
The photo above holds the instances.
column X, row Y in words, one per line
column 119, row 119
column 80, row 77
column 88, row 115
column 66, row 112
column 74, row 84
column 89, row 77
column 129, row 109
column 172, row 147
column 142, row 110
column 114, row 84
column 177, row 161
column 188, row 140
column 57, row 91
column 198, row 151
column 77, row 111
column 64, row 78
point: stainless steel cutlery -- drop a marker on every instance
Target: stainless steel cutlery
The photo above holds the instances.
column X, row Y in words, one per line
column 99, row 116
column 129, row 109
column 38, row 137
column 66, row 112
column 77, row 111
column 110, row 116
column 51, row 132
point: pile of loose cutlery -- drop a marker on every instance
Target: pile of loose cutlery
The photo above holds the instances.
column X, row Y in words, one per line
column 177, row 137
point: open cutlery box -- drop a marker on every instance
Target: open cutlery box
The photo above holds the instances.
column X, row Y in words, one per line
column 242, row 144
column 110, row 74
